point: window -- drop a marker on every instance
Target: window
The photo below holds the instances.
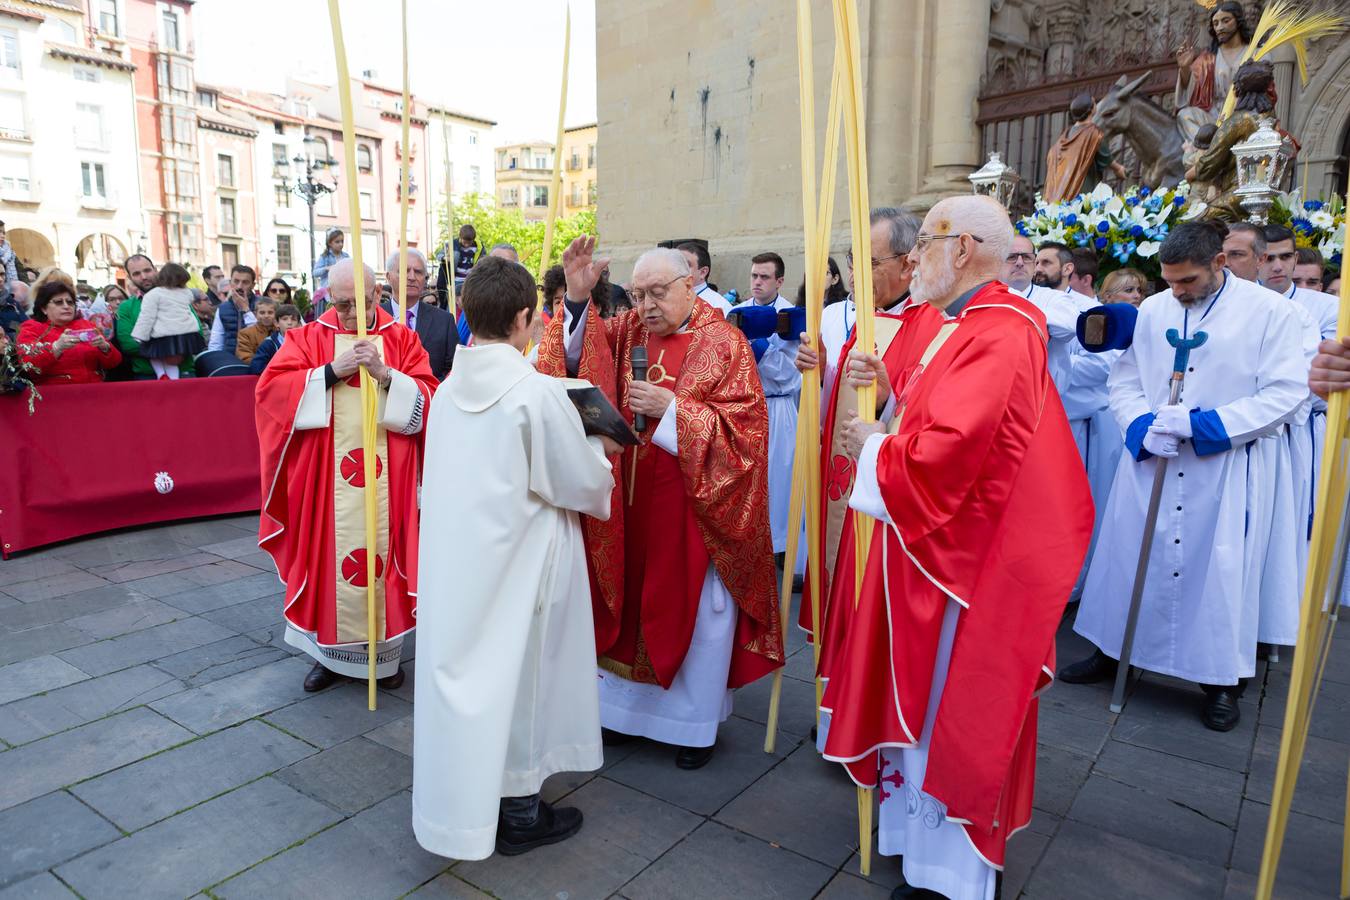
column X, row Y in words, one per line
column 187, row 179
column 364, row 162
column 107, row 18
column 541, row 162
column 539, row 195
column 88, row 126
column 91, row 178
column 280, row 164
column 9, row 51
column 168, row 21
column 367, row 205
column 590, row 193
column 590, row 156
column 229, row 224
column 11, row 114
column 62, row 30
column 575, row 162
column 324, row 205
column 574, row 199
column 86, row 75
column 206, row 99
column 229, row 256
column 15, row 179
column 510, row 197
column 283, row 197
column 321, row 152
column 475, row 179
column 225, row 170
column 278, row 128
column 284, row 252
column 473, row 137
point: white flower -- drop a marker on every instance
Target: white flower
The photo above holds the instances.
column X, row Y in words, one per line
column 1055, row 233
column 1102, row 192
column 1195, row 210
column 1114, row 207
column 1321, row 220
column 1330, row 245
column 1147, row 249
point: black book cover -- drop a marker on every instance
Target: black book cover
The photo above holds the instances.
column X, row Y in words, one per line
column 598, row 415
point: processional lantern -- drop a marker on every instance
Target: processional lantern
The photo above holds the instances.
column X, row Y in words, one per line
column 996, row 179
column 1262, row 161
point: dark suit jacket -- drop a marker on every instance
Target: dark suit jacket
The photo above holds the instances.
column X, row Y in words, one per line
column 436, row 330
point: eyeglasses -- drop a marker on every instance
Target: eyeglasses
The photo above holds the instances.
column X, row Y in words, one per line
column 343, row 306
column 657, row 293
column 1019, row 257
column 878, row 260
column 923, row 239
column 61, row 301
column 278, row 290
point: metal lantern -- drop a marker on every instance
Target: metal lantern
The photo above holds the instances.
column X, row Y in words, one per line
column 1262, row 160
column 996, row 179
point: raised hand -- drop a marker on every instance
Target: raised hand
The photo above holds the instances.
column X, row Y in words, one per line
column 581, row 268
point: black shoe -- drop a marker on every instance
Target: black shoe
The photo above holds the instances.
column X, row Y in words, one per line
column 797, row 584
column 615, row 738
column 1221, row 712
column 553, row 825
column 909, row 892
column 693, row 757
column 1097, row 667
column 814, row 738
column 392, row 682
column 320, row 678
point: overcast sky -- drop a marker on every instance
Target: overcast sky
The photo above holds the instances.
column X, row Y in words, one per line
column 501, row 60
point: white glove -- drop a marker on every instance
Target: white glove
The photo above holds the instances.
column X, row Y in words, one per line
column 1173, row 420
column 1160, row 442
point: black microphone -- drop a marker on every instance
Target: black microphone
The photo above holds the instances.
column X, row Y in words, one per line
column 638, row 357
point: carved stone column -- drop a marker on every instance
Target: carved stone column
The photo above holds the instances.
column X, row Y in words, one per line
column 1063, row 24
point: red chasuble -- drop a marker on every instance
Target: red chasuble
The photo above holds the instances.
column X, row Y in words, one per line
column 990, row 508
column 300, row 469
column 709, row 504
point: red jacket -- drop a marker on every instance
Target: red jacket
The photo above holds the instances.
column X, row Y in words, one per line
column 81, row 364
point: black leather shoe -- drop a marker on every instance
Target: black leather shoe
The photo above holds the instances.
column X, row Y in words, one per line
column 552, row 826
column 1221, row 712
column 615, row 738
column 910, row 892
column 320, row 678
column 693, row 757
column 392, row 682
column 1097, row 667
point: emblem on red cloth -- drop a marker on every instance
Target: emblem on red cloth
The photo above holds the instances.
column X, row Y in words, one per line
column 354, row 567
column 163, row 482
column 353, row 468
column 841, row 477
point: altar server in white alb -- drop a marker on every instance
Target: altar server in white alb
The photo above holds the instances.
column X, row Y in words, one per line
column 775, row 359
column 1199, row 614
column 1048, row 288
column 1277, row 273
column 506, row 691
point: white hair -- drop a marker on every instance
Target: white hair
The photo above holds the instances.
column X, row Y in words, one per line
column 983, row 216
column 391, row 264
column 345, row 270
column 673, row 259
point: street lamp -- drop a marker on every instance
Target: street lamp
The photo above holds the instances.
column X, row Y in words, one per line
column 996, row 179
column 310, row 190
column 1261, row 163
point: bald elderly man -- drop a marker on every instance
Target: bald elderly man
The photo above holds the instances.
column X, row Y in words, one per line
column 434, row 326
column 308, row 415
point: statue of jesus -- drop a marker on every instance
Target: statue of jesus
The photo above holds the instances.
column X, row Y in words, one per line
column 1204, row 77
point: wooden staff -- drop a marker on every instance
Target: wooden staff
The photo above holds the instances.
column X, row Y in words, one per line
column 855, row 134
column 1321, row 607
column 555, row 195
column 403, row 194
column 451, row 300
column 367, row 385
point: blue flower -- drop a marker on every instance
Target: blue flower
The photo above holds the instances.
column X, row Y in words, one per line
column 1137, row 231
column 1070, row 220
column 1103, row 227
column 1022, row 228
column 1154, row 203
column 1081, row 239
column 1144, row 191
column 1101, row 243
column 1178, row 200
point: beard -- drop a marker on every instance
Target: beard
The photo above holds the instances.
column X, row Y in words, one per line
column 1040, row 279
column 1190, row 301
column 932, row 283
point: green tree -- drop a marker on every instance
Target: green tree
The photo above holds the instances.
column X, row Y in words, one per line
column 508, row 226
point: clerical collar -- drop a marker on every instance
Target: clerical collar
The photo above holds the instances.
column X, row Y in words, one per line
column 898, row 304
column 954, row 308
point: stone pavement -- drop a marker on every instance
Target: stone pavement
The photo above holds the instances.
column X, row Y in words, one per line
column 155, row 742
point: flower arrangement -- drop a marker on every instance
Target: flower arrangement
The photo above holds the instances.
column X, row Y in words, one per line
column 16, row 373
column 1318, row 224
column 1125, row 229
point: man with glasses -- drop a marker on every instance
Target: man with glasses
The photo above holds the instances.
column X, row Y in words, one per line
column 686, row 604
column 434, row 326
column 309, row 415
column 985, row 520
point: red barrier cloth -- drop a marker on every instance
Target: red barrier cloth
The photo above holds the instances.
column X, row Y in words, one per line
column 95, row 457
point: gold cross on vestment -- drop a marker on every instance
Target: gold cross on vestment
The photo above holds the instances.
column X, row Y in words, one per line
column 652, row 373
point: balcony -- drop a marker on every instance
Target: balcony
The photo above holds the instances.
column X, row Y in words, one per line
column 574, row 164
column 32, row 194
column 99, row 203
column 293, row 216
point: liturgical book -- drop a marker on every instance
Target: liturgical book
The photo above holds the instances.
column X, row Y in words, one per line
column 598, row 415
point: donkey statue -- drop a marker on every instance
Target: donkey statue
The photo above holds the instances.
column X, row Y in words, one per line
column 1150, row 130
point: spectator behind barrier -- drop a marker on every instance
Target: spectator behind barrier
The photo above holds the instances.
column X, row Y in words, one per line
column 61, row 348
column 288, row 317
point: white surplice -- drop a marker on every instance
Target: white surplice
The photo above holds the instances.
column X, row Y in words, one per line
column 506, row 661
column 782, row 388
column 1198, row 618
column 1061, row 309
column 1094, row 431
column 712, row 298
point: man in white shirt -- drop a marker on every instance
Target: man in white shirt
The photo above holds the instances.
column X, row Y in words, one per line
column 1245, row 249
column 700, row 264
column 1278, row 275
column 1048, row 291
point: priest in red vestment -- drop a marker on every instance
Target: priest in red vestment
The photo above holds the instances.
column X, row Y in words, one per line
column 313, row 481
column 985, row 516
column 682, row 574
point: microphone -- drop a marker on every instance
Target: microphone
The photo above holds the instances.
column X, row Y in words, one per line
column 638, row 357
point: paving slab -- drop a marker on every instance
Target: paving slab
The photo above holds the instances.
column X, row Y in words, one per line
column 328, row 718
column 251, row 615
column 145, row 792
column 227, row 593
column 771, row 808
column 65, row 607
column 622, row 833
column 850, row 887
column 190, row 579
column 137, row 615
column 18, row 646
column 35, row 676
column 1024, row 852
column 1057, row 727
column 39, row 887
column 738, row 762
column 1153, row 819
column 38, row 716
column 396, row 735
column 48, row 831
column 218, row 659
column 233, row 547
column 17, row 571
column 1212, row 791
column 1242, row 886
column 1162, row 717
column 54, row 587
column 210, row 531
column 716, row 861
column 120, row 547
column 208, row 843
column 371, row 855
column 1331, row 717
column 147, row 568
column 1321, row 779
column 143, row 646
column 1084, row 861
column 1310, row 858
column 352, row 776
column 231, row 700
column 1059, row 775
column 796, row 710
column 448, row 887
column 71, row 756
